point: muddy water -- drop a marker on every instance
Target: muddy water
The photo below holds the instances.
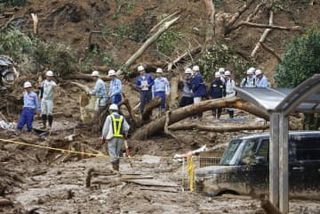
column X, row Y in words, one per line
column 62, row 189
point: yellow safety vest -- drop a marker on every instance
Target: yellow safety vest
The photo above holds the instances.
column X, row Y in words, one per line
column 117, row 126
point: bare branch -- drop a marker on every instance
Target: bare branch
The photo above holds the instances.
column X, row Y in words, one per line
column 239, row 13
column 275, row 27
column 263, row 37
column 149, row 41
column 271, row 51
column 164, row 20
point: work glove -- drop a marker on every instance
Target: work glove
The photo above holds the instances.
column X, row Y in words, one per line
column 103, row 141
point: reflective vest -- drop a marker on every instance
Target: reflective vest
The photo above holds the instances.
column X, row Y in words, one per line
column 117, row 126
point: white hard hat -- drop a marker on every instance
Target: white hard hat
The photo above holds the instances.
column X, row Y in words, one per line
column 95, row 74
column 159, row 70
column 49, row 74
column 221, row 70
column 217, row 74
column 188, row 71
column 27, row 85
column 113, row 107
column 227, row 73
column 251, row 70
column 140, row 68
column 195, row 68
column 112, row 73
column 258, row 72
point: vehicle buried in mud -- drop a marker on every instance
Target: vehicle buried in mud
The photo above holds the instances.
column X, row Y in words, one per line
column 8, row 73
column 244, row 168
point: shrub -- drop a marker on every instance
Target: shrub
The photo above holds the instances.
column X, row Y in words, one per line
column 220, row 55
column 166, row 44
column 301, row 60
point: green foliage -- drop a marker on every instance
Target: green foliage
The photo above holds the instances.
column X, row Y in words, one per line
column 97, row 57
column 124, row 7
column 13, row 2
column 300, row 61
column 25, row 49
column 166, row 44
column 15, row 43
column 56, row 56
column 220, row 55
column 285, row 5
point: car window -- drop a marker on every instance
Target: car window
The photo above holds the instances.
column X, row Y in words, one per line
column 230, row 152
column 263, row 150
column 249, row 151
column 307, row 149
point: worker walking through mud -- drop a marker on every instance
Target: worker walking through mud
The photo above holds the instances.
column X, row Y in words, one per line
column 115, row 130
column 46, row 96
column 30, row 107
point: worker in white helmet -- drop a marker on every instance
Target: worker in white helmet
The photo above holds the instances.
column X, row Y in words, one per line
column 249, row 81
column 46, row 96
column 161, row 88
column 187, row 94
column 217, row 91
column 230, row 90
column 99, row 91
column 115, row 90
column 30, row 107
column 198, row 87
column 115, row 130
column 261, row 80
column 144, row 84
column 222, row 74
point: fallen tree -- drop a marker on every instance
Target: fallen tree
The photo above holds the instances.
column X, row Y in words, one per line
column 219, row 129
column 157, row 126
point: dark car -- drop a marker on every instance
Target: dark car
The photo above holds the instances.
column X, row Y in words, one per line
column 244, row 167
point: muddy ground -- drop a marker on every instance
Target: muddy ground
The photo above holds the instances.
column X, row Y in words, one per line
column 150, row 182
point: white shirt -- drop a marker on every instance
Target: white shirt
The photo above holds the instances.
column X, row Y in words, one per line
column 48, row 87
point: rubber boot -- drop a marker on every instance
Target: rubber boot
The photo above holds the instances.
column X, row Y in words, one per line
column 44, row 121
column 50, row 119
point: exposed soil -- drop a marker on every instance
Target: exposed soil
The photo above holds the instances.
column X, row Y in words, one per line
column 43, row 181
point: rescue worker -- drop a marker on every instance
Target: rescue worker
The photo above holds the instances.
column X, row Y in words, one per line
column 144, row 84
column 222, row 74
column 261, row 80
column 217, row 90
column 161, row 88
column 99, row 91
column 187, row 94
column 115, row 130
column 30, row 107
column 249, row 81
column 198, row 87
column 230, row 91
column 115, row 90
column 46, row 95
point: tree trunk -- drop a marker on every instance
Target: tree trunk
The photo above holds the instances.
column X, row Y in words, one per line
column 157, row 125
column 174, row 95
column 211, row 22
column 164, row 27
column 220, row 129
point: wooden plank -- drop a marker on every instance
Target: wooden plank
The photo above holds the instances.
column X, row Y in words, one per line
column 283, row 165
column 153, row 183
column 160, row 189
column 274, row 160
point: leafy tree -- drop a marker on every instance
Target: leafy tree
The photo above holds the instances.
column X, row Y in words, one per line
column 300, row 61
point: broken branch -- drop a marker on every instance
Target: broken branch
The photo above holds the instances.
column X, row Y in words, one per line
column 219, row 129
column 157, row 125
column 270, row 50
column 147, row 43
